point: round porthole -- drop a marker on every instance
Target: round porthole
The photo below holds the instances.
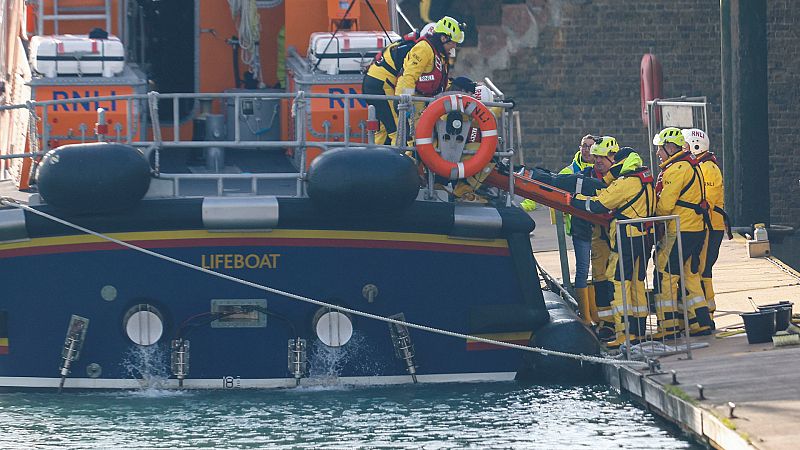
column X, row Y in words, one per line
column 143, row 324
column 333, row 328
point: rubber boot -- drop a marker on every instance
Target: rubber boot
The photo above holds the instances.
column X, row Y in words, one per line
column 622, row 335
column 583, row 304
column 592, row 305
column 703, row 325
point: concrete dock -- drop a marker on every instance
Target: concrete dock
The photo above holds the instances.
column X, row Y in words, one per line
column 761, row 382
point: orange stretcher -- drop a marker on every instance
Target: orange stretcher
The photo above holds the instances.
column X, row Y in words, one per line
column 545, row 194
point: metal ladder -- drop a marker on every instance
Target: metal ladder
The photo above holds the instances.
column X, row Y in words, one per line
column 97, row 12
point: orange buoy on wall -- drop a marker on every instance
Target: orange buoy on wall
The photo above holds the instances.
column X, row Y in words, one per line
column 651, row 81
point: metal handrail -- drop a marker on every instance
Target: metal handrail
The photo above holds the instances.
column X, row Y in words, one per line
column 146, row 114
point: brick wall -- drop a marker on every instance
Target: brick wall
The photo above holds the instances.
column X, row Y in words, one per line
column 584, row 78
column 783, row 64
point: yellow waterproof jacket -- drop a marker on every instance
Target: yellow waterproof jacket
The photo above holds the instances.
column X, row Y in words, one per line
column 630, row 195
column 712, row 175
column 418, row 61
column 681, row 180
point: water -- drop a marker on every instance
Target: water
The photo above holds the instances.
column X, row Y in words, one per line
column 788, row 250
column 481, row 415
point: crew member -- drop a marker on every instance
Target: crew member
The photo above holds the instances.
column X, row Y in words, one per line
column 425, row 67
column 681, row 192
column 630, row 195
column 581, row 231
column 698, row 143
column 381, row 79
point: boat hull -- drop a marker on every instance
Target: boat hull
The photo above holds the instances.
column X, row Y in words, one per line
column 470, row 285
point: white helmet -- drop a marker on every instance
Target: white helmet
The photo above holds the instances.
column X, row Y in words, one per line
column 483, row 93
column 427, row 30
column 696, row 140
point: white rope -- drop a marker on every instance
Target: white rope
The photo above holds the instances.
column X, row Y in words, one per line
column 586, row 358
column 249, row 31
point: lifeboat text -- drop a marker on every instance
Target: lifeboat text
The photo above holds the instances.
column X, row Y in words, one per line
column 239, row 261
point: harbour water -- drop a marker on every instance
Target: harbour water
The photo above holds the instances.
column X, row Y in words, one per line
column 481, row 415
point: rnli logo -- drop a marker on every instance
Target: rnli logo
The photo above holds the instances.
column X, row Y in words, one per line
column 240, row 261
column 427, row 78
column 698, row 133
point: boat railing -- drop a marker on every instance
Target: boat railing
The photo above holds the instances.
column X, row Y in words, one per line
column 144, row 128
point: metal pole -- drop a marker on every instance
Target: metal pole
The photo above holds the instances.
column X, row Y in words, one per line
column 682, row 289
column 562, row 250
column 621, row 267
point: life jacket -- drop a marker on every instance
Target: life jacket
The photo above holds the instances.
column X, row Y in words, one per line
column 701, row 208
column 395, row 52
column 646, row 178
column 708, row 156
column 434, row 82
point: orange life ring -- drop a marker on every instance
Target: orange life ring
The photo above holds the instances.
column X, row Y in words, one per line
column 466, row 105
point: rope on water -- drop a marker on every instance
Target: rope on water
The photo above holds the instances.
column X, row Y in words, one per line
column 584, row 358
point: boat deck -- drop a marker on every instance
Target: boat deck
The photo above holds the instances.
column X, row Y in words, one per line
column 760, row 379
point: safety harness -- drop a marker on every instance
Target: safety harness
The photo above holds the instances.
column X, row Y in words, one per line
column 702, row 208
column 398, row 52
column 708, row 156
column 646, row 178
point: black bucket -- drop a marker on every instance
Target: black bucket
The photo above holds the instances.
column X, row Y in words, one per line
column 783, row 313
column 760, row 326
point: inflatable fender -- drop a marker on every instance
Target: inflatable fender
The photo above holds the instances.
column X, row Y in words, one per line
column 564, row 333
column 349, row 180
column 93, row 178
column 651, row 82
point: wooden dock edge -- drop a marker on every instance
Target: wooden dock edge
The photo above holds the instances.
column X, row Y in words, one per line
column 703, row 425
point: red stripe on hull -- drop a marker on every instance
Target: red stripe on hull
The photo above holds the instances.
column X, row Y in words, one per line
column 241, row 242
column 3, row 350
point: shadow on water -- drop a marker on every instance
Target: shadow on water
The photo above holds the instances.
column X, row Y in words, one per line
column 485, row 415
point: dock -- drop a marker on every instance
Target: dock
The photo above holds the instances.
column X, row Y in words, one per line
column 750, row 392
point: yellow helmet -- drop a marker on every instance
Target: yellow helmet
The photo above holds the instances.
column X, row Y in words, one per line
column 604, row 146
column 670, row 134
column 450, row 27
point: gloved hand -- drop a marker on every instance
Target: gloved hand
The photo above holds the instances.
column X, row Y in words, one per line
column 528, row 205
column 464, row 84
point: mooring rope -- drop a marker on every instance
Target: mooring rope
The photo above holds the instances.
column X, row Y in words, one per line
column 585, row 358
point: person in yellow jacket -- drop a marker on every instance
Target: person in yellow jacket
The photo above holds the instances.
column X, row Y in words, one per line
column 630, row 195
column 698, row 144
column 681, row 191
column 426, row 66
column 381, row 79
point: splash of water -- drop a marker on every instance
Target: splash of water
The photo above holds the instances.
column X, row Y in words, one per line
column 149, row 365
column 328, row 363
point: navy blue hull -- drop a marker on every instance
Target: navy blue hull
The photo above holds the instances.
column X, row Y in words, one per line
column 464, row 285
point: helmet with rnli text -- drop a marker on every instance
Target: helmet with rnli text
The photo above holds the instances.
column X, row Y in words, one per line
column 427, row 30
column 451, row 28
column 604, row 146
column 670, row 134
column 696, row 139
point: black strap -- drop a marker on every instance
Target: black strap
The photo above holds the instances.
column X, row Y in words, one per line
column 330, row 41
column 726, row 220
column 378, row 19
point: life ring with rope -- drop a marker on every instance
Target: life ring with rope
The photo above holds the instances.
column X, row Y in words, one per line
column 424, row 136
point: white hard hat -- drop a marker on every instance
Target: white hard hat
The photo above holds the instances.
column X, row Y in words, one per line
column 427, row 29
column 696, row 139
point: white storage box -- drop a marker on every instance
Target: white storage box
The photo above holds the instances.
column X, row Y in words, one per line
column 76, row 55
column 349, row 51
